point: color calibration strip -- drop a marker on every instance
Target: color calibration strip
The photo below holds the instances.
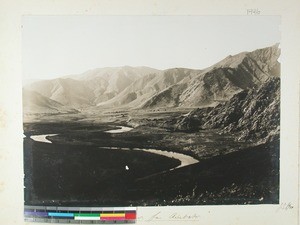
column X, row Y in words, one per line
column 80, row 214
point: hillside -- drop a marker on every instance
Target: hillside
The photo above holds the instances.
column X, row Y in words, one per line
column 68, row 92
column 254, row 114
column 90, row 88
column 146, row 88
column 34, row 102
column 223, row 80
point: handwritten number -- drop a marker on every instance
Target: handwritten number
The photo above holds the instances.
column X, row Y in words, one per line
column 253, row 12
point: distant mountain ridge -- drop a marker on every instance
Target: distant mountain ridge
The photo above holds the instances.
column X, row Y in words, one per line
column 34, row 102
column 144, row 87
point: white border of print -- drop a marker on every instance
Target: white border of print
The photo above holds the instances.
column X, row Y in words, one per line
column 11, row 169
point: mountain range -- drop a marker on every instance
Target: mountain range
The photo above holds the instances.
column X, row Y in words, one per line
column 144, row 87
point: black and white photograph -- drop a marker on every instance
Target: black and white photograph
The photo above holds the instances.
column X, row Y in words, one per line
column 151, row 110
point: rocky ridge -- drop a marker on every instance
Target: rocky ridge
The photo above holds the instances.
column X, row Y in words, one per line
column 253, row 114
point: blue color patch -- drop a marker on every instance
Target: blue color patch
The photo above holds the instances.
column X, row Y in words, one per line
column 57, row 214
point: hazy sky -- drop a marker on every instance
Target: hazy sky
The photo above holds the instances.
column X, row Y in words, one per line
column 55, row 46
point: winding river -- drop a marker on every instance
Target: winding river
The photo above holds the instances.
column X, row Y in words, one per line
column 185, row 160
column 42, row 138
column 121, row 129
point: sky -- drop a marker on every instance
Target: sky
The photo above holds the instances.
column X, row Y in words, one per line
column 55, row 46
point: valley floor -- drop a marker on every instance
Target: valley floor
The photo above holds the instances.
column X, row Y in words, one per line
column 75, row 169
